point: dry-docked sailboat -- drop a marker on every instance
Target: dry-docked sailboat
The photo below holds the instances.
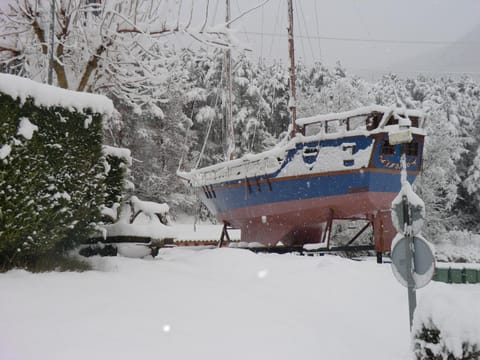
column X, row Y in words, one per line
column 333, row 166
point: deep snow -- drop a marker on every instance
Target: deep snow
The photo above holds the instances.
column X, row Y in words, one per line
column 211, row 304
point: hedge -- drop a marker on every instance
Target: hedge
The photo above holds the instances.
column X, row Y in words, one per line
column 52, row 184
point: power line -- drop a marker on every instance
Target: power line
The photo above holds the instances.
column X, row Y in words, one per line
column 386, row 41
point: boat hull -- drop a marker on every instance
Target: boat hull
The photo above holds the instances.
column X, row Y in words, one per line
column 292, row 210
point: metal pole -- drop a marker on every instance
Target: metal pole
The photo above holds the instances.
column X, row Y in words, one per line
column 291, row 49
column 409, row 250
column 230, row 141
column 52, row 43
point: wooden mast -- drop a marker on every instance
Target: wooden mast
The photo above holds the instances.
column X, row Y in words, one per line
column 292, row 103
column 230, row 141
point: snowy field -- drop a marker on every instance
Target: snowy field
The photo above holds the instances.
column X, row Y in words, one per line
column 211, row 304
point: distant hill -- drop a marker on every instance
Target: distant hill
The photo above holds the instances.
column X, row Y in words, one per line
column 455, row 59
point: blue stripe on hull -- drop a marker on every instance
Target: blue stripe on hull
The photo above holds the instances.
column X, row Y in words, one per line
column 300, row 188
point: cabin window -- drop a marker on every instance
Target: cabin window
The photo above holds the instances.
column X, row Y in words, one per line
column 356, row 122
column 387, row 149
column 412, row 149
column 312, row 129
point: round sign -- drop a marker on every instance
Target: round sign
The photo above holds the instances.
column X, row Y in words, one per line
column 423, row 261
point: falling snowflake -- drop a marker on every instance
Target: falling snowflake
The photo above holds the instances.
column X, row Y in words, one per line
column 262, row 274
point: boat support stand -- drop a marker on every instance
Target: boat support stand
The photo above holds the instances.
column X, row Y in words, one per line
column 224, row 235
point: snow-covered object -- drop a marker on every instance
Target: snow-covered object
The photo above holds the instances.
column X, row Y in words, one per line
column 315, row 246
column 143, row 226
column 453, row 310
column 417, row 210
column 397, row 135
column 111, row 212
column 26, row 128
column 121, row 153
column 47, row 95
column 459, row 246
column 148, row 207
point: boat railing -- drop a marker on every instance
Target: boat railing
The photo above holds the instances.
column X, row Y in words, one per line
column 258, row 167
column 366, row 121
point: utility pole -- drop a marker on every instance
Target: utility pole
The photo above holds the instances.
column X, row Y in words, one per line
column 230, row 141
column 52, row 42
column 292, row 103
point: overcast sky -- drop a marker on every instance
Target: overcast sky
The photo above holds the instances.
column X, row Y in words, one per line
column 367, row 35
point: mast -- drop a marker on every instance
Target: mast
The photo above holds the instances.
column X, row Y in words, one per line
column 230, row 141
column 292, row 103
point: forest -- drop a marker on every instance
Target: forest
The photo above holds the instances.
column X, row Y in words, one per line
column 170, row 101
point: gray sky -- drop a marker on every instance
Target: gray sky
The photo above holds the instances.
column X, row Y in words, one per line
column 365, row 35
column 394, row 31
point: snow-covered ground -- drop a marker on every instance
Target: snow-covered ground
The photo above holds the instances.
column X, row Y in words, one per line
column 215, row 304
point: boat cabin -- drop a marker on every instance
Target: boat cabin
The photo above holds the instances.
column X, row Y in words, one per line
column 367, row 118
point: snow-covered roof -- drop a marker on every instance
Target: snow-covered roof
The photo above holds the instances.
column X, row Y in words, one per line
column 358, row 112
column 48, row 95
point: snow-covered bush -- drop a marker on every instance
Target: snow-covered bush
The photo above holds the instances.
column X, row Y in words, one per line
column 52, row 169
column 446, row 324
column 458, row 246
column 430, row 345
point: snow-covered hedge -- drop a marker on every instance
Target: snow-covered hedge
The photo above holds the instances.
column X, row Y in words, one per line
column 446, row 325
column 52, row 169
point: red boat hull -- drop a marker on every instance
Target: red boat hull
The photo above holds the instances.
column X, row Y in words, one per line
column 299, row 222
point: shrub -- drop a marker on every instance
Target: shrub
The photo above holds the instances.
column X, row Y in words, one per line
column 429, row 344
column 52, row 178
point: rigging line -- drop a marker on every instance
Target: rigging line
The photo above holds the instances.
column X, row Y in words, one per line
column 211, row 122
column 300, row 33
column 306, row 30
column 247, row 12
column 277, row 18
column 243, row 24
column 388, row 41
column 318, row 31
